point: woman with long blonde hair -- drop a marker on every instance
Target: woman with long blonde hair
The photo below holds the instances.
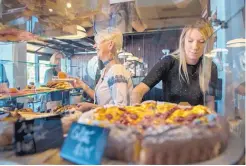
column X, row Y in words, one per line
column 187, row 74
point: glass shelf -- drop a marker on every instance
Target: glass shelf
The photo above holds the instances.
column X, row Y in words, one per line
column 24, row 62
column 29, row 94
column 29, row 63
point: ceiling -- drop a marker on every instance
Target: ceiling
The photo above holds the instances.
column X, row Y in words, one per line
column 68, row 47
column 147, row 16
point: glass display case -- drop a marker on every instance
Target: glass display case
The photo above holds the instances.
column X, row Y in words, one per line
column 38, row 37
column 24, row 86
column 229, row 56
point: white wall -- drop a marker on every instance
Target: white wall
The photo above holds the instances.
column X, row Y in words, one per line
column 20, row 69
column 16, row 72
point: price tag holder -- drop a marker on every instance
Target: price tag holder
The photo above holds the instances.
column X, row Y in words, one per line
column 38, row 135
column 85, row 144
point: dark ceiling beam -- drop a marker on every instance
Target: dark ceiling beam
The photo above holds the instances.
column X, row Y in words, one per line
column 77, row 44
column 53, row 42
column 53, row 47
column 88, row 40
column 43, row 45
column 81, row 49
column 59, row 44
column 153, row 31
column 39, row 53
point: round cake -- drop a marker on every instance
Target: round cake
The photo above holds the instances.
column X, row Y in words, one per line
column 164, row 133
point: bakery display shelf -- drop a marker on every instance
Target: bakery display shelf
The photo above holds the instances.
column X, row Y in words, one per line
column 27, row 63
column 29, row 94
column 232, row 155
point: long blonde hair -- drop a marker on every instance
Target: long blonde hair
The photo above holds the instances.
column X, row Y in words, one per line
column 205, row 69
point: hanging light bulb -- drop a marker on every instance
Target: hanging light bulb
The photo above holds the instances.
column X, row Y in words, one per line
column 69, row 5
column 236, row 45
column 224, row 50
column 240, row 42
column 50, row 10
column 124, row 54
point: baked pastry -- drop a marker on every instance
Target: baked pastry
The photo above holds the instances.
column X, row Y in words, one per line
column 25, row 110
column 61, row 109
column 166, row 133
column 149, row 113
column 33, row 89
column 69, row 116
column 183, row 144
column 123, row 144
column 59, row 85
column 13, row 90
column 62, row 75
column 7, row 123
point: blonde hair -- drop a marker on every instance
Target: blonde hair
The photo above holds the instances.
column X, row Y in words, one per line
column 111, row 34
column 54, row 56
column 205, row 69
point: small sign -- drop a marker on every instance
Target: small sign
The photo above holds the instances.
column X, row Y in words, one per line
column 85, row 144
column 38, row 135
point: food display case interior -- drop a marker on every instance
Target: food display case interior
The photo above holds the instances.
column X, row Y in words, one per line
column 33, row 31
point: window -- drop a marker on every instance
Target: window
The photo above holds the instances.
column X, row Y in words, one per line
column 42, row 69
column 30, row 68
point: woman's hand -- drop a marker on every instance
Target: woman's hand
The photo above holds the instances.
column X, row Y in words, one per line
column 138, row 92
column 79, row 84
column 85, row 106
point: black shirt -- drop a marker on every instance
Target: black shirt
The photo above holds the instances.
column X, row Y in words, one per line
column 175, row 89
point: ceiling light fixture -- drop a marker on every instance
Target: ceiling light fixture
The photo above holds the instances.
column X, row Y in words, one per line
column 50, row 10
column 69, row 5
column 240, row 42
column 165, row 51
column 124, row 54
column 118, row 1
column 236, row 45
column 219, row 50
column 210, row 55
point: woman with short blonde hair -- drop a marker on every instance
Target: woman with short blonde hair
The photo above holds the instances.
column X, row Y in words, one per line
column 115, row 85
column 187, row 74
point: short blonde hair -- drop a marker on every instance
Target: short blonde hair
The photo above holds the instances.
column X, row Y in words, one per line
column 206, row 30
column 54, row 56
column 113, row 34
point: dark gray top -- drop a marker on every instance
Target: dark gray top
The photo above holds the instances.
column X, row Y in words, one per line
column 176, row 90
